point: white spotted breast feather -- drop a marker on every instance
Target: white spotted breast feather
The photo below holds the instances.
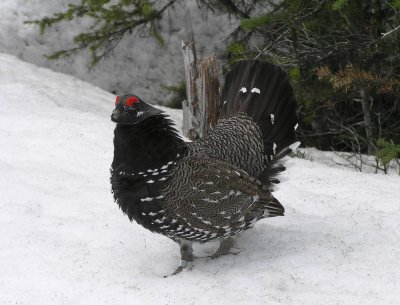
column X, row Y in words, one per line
column 138, row 194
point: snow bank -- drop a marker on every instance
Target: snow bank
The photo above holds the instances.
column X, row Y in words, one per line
column 64, row 241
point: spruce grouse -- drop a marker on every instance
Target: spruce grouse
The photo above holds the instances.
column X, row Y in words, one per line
column 218, row 186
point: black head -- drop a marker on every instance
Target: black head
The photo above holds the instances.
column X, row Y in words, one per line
column 130, row 109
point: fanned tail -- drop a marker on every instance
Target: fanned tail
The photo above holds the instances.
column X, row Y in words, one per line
column 262, row 90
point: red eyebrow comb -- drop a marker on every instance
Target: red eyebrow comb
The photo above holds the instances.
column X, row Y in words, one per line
column 131, row 100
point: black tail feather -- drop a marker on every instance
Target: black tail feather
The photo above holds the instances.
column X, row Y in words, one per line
column 269, row 175
column 262, row 90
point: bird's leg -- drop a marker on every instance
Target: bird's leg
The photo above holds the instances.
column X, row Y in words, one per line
column 186, row 256
column 225, row 247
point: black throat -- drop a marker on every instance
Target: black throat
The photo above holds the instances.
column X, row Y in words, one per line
column 147, row 145
column 144, row 155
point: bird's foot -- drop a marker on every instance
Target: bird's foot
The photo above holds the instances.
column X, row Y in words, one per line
column 225, row 248
column 183, row 264
column 178, row 270
column 220, row 253
column 186, row 256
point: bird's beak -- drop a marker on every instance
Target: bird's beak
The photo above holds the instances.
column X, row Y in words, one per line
column 115, row 115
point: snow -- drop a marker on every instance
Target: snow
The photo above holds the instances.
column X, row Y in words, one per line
column 354, row 162
column 64, row 241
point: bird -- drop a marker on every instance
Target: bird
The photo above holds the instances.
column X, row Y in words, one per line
column 219, row 185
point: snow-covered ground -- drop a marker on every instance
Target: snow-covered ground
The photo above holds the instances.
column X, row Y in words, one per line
column 64, row 241
column 352, row 161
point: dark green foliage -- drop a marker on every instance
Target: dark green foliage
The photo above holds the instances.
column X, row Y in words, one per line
column 396, row 4
column 387, row 152
column 111, row 21
column 178, row 95
column 339, row 4
column 250, row 24
column 236, row 51
column 295, row 75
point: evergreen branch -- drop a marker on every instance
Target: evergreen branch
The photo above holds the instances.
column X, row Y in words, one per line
column 109, row 27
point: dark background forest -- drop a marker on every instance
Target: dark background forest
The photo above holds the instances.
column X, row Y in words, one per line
column 342, row 58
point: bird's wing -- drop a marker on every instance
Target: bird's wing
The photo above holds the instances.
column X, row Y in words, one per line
column 212, row 195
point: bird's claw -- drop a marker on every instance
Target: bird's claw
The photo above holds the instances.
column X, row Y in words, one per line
column 225, row 248
column 182, row 265
column 223, row 252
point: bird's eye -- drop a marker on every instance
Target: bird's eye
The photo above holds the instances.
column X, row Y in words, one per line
column 132, row 100
column 117, row 100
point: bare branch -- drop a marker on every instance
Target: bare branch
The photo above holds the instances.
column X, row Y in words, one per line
column 390, row 32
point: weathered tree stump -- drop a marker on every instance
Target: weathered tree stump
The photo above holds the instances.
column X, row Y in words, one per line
column 200, row 110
